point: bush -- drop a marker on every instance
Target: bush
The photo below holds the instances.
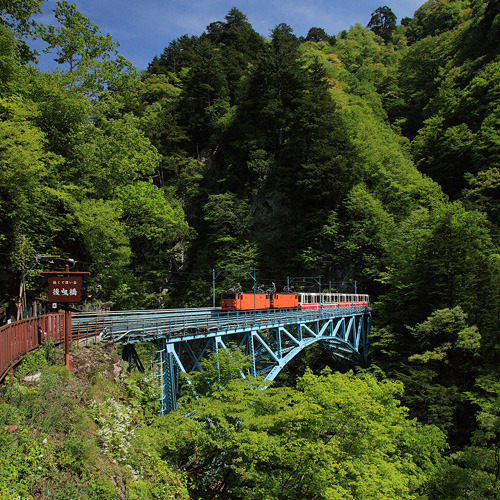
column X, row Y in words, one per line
column 32, row 363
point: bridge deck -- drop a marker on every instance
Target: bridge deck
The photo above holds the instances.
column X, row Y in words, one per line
column 186, row 324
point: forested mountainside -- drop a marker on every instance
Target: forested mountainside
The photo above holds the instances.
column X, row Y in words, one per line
column 370, row 155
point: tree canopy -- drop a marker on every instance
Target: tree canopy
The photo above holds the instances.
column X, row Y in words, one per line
column 368, row 156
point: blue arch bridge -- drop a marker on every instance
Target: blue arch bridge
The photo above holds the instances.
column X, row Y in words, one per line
column 271, row 337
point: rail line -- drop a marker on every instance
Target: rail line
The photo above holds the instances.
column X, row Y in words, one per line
column 185, row 324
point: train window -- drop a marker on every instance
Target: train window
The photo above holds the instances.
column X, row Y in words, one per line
column 228, row 296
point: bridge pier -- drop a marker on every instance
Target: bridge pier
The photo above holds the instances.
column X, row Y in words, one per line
column 168, row 376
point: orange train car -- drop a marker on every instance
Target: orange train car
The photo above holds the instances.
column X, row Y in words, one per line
column 245, row 301
column 284, row 300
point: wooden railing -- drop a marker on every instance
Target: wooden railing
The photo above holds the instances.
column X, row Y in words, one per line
column 19, row 338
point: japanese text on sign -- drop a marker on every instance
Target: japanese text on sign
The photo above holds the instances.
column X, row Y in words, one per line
column 65, row 289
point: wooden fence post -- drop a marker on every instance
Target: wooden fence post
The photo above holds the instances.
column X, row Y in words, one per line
column 67, row 335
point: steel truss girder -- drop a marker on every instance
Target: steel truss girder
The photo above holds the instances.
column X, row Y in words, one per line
column 345, row 337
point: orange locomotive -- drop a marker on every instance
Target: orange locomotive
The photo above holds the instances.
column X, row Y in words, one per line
column 245, row 301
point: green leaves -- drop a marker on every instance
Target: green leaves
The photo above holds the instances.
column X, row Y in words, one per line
column 442, row 261
column 149, row 214
column 227, row 219
column 24, row 164
column 17, row 17
column 383, row 22
column 446, row 334
column 115, row 154
column 79, row 44
column 102, row 233
column 331, row 437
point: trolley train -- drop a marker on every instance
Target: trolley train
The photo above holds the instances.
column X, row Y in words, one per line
column 245, row 301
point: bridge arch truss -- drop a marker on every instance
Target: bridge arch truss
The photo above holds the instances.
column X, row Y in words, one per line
column 271, row 341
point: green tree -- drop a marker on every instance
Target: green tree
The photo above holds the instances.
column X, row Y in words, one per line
column 17, row 17
column 148, row 213
column 419, row 77
column 444, row 153
column 10, row 70
column 179, row 54
column 436, row 17
column 63, row 114
column 441, row 260
column 473, row 471
column 483, row 193
column 160, row 117
column 317, row 157
column 383, row 22
column 112, row 154
column 240, row 46
column 205, row 95
column 79, row 45
column 219, row 368
column 273, row 92
column 319, row 35
column 447, row 261
column 102, row 233
column 25, row 165
column 227, row 224
column 330, row 438
column 486, row 146
column 444, row 366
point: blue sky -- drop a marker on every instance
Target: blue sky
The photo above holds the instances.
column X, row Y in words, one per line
column 145, row 27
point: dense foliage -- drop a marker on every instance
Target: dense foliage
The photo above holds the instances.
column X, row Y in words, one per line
column 81, row 437
column 372, row 155
column 90, row 435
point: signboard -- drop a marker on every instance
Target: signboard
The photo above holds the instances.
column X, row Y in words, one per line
column 65, row 288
